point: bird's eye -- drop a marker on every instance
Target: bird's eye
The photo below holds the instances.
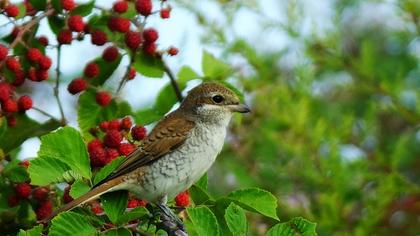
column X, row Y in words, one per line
column 218, row 99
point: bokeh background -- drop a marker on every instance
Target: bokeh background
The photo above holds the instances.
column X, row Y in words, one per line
column 334, row 89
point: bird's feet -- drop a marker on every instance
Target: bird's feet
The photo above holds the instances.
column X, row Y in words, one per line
column 170, row 220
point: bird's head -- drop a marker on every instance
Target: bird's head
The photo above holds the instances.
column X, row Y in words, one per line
column 212, row 101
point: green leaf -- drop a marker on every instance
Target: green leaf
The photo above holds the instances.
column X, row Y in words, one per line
column 22, row 11
column 38, row 4
column 133, row 214
column 106, row 170
column 70, row 223
column 67, row 145
column 47, row 170
column 114, row 204
column 35, row 231
column 147, row 116
column 165, row 100
column 149, row 66
column 83, row 9
column 26, row 128
column 199, row 195
column 131, row 11
column 214, row 68
column 295, row 227
column 90, row 114
column 78, row 188
column 57, row 5
column 256, row 200
column 236, row 219
column 117, row 232
column 186, row 73
column 203, row 221
column 15, row 172
column 106, row 69
column 56, row 24
column 203, row 182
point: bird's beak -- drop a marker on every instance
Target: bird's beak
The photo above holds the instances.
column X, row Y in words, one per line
column 241, row 108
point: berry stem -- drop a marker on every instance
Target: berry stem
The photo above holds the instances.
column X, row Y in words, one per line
column 57, row 86
column 125, row 77
column 174, row 84
column 45, row 113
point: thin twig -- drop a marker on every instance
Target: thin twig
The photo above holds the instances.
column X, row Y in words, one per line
column 125, row 78
column 57, row 85
column 173, row 82
column 45, row 113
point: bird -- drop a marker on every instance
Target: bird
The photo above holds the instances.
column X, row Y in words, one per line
column 179, row 150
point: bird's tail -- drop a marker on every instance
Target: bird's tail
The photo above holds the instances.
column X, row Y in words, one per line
column 92, row 194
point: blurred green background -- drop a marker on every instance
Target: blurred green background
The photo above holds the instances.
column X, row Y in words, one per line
column 334, row 87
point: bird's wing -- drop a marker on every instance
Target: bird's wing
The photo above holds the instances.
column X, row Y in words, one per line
column 169, row 133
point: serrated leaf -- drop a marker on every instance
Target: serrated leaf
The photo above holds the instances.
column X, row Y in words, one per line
column 83, row 9
column 117, row 232
column 26, row 128
column 149, row 66
column 133, row 214
column 295, row 227
column 199, row 195
column 147, row 116
column 67, row 145
column 38, row 4
column 204, row 221
column 257, row 200
column 78, row 188
column 70, row 223
column 106, row 69
column 56, row 24
column 214, row 68
column 35, row 231
column 114, row 204
column 236, row 220
column 46, row 170
column 106, row 170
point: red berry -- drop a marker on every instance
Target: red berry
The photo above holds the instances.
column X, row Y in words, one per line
column 3, row 52
column 68, row 4
column 99, row 37
column 165, row 13
column 41, row 75
column 103, row 98
column 31, row 74
column 97, row 157
column 5, row 91
column 114, row 124
column 133, row 39
column 131, row 73
column 149, row 48
column 23, row 190
column 12, row 64
column 12, row 10
column 15, row 31
column 44, row 63
column 113, row 139
column 25, row 103
column 65, row 36
column 10, row 106
column 19, row 78
column 173, row 51
column 13, row 200
column 66, row 195
column 94, row 144
column 119, row 24
column 11, row 121
column 33, row 54
column 126, row 123
column 30, row 10
column 182, row 199
column 44, row 210
column 91, row 70
column 24, row 163
column 111, row 154
column 77, row 85
column 138, row 132
column 104, row 125
column 96, row 208
column 144, row 7
column 125, row 149
column 43, row 40
column 120, row 6
column 40, row 194
column 76, row 23
column 110, row 53
column 150, row 35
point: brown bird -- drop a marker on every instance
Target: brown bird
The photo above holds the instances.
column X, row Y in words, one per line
column 178, row 151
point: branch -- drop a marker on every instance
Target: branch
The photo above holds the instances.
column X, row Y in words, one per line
column 174, row 84
column 57, row 85
column 125, row 78
column 45, row 113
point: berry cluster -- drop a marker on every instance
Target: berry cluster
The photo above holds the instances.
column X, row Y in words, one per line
column 113, row 139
